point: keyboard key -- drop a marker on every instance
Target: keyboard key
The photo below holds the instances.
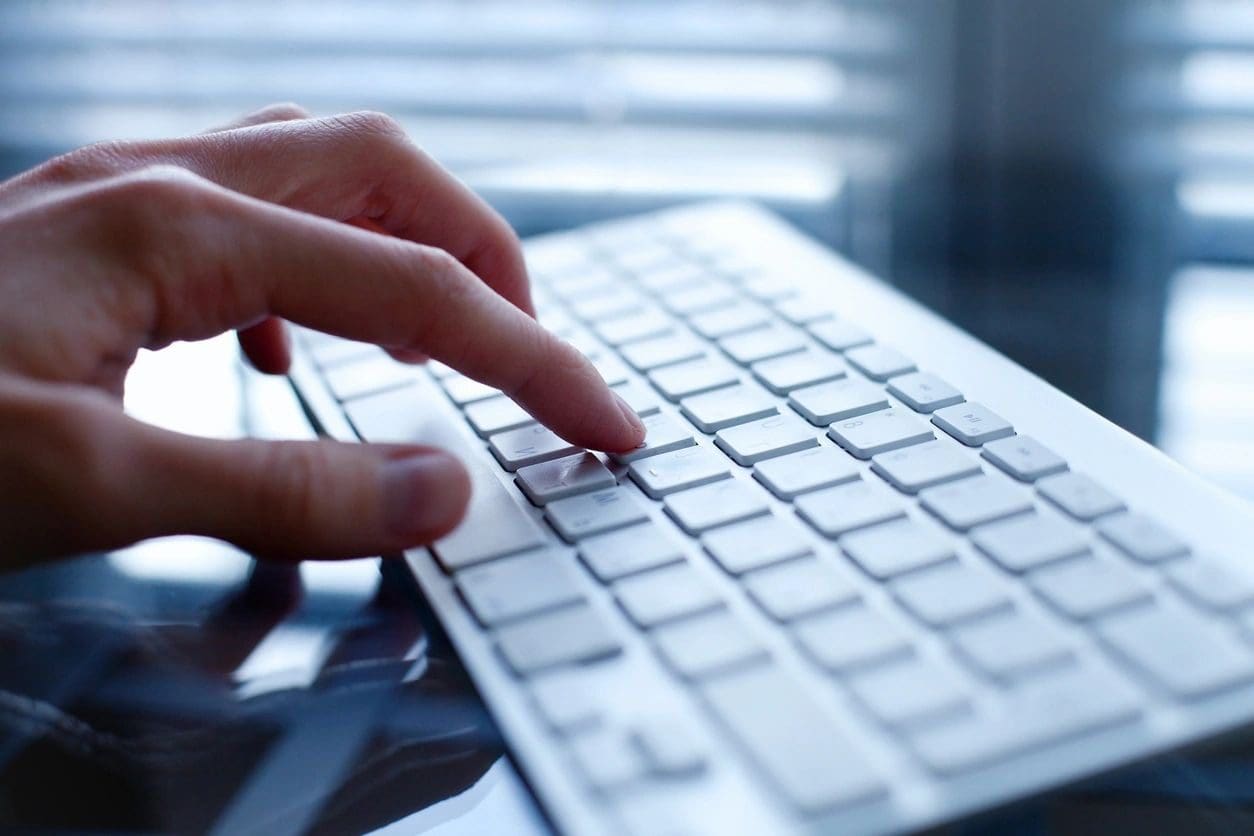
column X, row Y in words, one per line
column 333, row 351
column 879, row 432
column 611, row 369
column 582, row 516
column 628, row 551
column 665, row 594
column 888, row 550
column 802, row 310
column 755, row 543
column 837, row 400
column 1187, row 654
column 1079, row 496
column 669, row 749
column 879, row 362
column 972, row 423
column 694, row 377
column 804, row 368
column 496, row 415
column 777, row 435
column 1012, row 645
column 731, row 320
column 844, row 508
column 1023, row 543
column 924, row 392
column 639, row 399
column 662, row 351
column 607, row 759
column 678, row 470
column 762, row 344
column 633, row 327
column 1040, row 711
column 704, row 645
column 1139, row 537
column 698, row 298
column 910, row 692
column 673, row 277
column 913, row 468
column 799, row 588
column 946, row 595
column 1090, row 586
column 768, row 288
column 795, row 744
column 806, row 470
column 564, row 703
column 839, row 335
column 560, row 478
column 614, row 303
column 1211, row 584
column 1023, row 457
column 721, row 408
column 569, row 636
column 462, row 390
column 851, row 637
column 662, row 435
column 513, row 587
column 975, row 501
column 721, row 503
column 528, row 445
column 352, row 379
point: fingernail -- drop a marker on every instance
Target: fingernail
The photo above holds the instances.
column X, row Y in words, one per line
column 632, row 418
column 423, row 493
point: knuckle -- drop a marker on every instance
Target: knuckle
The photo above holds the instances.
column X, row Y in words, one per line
column 371, row 124
column 281, row 111
column 285, row 483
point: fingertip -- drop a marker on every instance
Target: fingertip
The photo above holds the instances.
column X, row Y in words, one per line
column 634, row 432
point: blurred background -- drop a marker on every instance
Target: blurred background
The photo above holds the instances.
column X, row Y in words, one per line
column 1071, row 180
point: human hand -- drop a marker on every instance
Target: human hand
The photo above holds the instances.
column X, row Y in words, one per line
column 123, row 246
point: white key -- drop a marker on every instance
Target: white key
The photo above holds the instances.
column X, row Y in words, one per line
column 839, row 335
column 693, row 378
column 713, row 411
column 513, row 587
column 585, row 281
column 560, row 478
column 879, row 362
column 635, row 326
column 806, row 470
column 611, row 369
column 678, row 470
column 1040, row 711
column 662, row 434
column 971, row 423
column 762, row 344
column 721, row 503
column 1189, row 655
column 440, row 371
column 851, row 637
column 332, row 352
column 665, row 594
column 672, row 277
column 1023, row 543
column 462, row 390
column 1090, row 586
column 879, row 432
column 569, row 636
column 946, row 595
column 582, row 516
column 708, row 644
column 496, row 415
column 888, row 550
column 1012, row 645
column 614, row 303
column 639, row 399
column 585, row 344
column 768, row 288
column 698, row 298
column 805, row 756
column 669, row 748
column 910, row 692
column 1023, row 457
column 564, row 702
column 764, row 438
column 971, row 502
column 799, row 588
column 1211, row 584
column 924, row 392
column 528, row 445
column 363, row 377
column 645, row 257
column 1139, row 537
column 1079, row 496
column 743, row 316
column 792, row 371
column 837, row 400
column 607, row 759
column 803, row 310
column 755, row 543
column 911, row 469
column 628, row 551
column 662, row 351
column 835, row 511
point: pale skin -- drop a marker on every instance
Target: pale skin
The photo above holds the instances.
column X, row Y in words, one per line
column 339, row 224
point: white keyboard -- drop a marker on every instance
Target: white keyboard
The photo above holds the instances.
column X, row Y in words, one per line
column 865, row 576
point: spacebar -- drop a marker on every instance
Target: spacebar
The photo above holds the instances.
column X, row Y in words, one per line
column 495, row 525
